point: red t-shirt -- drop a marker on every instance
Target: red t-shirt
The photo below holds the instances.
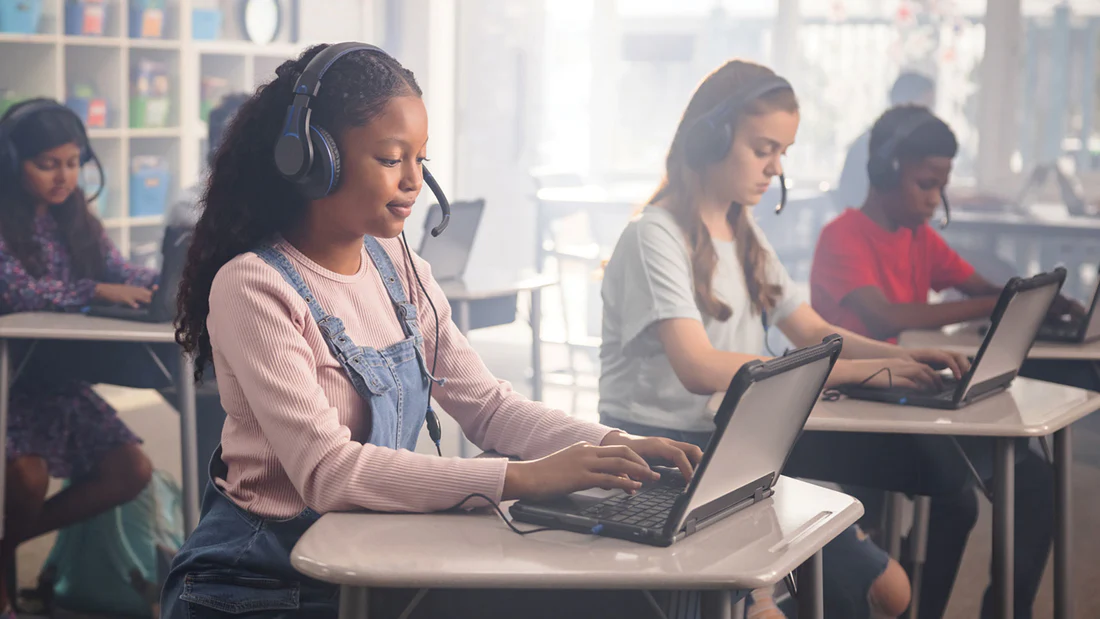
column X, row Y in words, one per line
column 854, row 252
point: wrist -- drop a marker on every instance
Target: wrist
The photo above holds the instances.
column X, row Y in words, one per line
column 613, row 437
column 514, row 481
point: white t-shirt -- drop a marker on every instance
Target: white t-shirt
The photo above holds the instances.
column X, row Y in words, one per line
column 649, row 279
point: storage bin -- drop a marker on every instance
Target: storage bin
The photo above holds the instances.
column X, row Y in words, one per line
column 149, row 112
column 85, row 17
column 149, row 181
column 146, row 19
column 20, row 16
column 206, row 24
column 91, row 110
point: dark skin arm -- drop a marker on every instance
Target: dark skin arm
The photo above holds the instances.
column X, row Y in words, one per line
column 886, row 319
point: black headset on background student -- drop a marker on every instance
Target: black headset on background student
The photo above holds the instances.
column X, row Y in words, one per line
column 884, row 164
column 710, row 137
column 9, row 154
column 307, row 155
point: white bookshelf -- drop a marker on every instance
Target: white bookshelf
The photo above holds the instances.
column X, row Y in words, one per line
column 47, row 63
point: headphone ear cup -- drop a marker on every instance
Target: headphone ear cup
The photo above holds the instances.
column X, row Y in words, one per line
column 707, row 143
column 882, row 173
column 324, row 175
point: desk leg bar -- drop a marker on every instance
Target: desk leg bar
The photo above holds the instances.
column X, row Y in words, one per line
column 918, row 549
column 811, row 595
column 5, row 377
column 353, row 602
column 189, row 449
column 1004, row 527
column 536, row 345
column 716, row 605
column 895, row 504
column 1063, row 525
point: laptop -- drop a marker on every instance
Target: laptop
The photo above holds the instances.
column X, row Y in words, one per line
column 1075, row 329
column 1021, row 308
column 162, row 308
column 449, row 253
column 756, row 427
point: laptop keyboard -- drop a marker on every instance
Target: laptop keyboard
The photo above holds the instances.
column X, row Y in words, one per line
column 946, row 394
column 1060, row 329
column 649, row 507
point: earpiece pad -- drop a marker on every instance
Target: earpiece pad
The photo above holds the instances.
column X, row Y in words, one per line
column 324, row 175
column 707, row 143
column 883, row 172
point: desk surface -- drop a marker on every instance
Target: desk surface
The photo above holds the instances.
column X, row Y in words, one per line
column 59, row 326
column 494, row 284
column 1038, row 221
column 1028, row 408
column 965, row 339
column 754, row 548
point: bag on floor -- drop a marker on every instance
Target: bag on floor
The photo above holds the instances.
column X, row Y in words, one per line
column 115, row 564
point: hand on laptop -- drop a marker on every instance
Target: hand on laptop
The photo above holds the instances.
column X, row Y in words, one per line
column 683, row 456
column 578, row 467
column 897, row 372
column 1065, row 306
column 958, row 363
column 121, row 294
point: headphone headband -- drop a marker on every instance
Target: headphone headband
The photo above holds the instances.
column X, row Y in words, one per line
column 888, row 149
column 309, row 82
column 736, row 101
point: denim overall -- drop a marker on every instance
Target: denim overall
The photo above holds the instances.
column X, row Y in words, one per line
column 238, row 563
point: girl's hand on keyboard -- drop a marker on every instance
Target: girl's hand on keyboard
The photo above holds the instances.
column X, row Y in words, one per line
column 579, row 467
column 683, row 456
column 885, row 373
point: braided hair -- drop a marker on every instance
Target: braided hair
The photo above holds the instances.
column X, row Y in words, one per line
column 247, row 201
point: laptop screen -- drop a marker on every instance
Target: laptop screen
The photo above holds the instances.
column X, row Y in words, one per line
column 1092, row 331
column 761, row 432
column 1013, row 335
column 449, row 253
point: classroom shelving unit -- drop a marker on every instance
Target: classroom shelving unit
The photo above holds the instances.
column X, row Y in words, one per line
column 50, row 62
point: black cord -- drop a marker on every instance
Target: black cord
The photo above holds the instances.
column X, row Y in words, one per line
column 434, row 430
column 500, row 513
column 833, row 394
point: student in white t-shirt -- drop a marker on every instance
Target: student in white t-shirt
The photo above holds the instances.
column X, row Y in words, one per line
column 692, row 282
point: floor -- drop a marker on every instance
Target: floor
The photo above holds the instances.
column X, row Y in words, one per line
column 505, row 352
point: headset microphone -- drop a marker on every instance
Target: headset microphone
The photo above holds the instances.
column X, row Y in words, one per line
column 444, row 205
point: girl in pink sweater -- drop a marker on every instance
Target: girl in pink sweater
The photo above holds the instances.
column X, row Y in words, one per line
column 325, row 332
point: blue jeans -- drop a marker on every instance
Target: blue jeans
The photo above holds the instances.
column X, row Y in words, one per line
column 850, row 564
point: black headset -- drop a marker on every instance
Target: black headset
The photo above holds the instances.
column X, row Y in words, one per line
column 9, row 154
column 307, row 155
column 708, row 140
column 884, row 164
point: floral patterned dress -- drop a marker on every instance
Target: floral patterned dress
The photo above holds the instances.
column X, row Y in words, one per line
column 64, row 422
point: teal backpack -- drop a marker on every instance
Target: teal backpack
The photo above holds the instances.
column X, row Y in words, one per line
column 115, row 564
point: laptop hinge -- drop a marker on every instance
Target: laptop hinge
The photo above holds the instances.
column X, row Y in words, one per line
column 759, row 495
column 690, row 526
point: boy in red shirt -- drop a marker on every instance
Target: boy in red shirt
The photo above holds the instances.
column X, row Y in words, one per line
column 872, row 271
column 874, row 266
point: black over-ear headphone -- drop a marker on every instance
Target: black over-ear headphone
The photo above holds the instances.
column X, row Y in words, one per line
column 709, row 139
column 884, row 165
column 306, row 154
column 9, row 154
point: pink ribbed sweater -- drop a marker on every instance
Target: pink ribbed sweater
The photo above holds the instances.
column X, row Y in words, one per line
column 295, row 431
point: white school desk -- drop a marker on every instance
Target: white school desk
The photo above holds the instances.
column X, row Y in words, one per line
column 966, row 339
column 1028, row 408
column 58, row 326
column 754, row 548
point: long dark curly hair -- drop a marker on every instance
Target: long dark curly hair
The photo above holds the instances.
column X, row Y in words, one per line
column 81, row 231
column 247, row 201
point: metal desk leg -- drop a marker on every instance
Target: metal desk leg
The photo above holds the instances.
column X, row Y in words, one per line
column 811, row 595
column 189, row 449
column 895, row 504
column 5, row 377
column 1004, row 527
column 918, row 549
column 1063, row 525
column 716, row 605
column 353, row 602
column 536, row 344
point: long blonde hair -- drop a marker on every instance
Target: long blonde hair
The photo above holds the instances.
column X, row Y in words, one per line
column 678, row 190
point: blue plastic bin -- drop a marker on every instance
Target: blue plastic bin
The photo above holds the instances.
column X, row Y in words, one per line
column 20, row 16
column 75, row 13
column 149, row 191
column 206, row 24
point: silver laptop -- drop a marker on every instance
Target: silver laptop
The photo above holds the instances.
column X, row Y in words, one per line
column 449, row 253
column 756, row 427
column 1020, row 310
column 1075, row 329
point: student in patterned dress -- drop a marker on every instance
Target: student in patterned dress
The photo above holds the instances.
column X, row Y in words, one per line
column 55, row 256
